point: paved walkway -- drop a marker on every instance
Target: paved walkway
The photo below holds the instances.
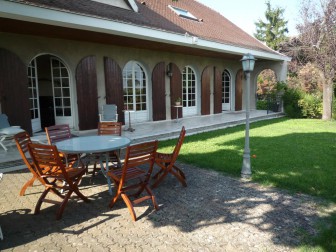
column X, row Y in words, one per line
column 214, row 213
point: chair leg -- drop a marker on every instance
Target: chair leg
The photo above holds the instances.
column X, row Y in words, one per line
column 150, row 192
column 60, row 210
column 179, row 171
column 179, row 175
column 114, row 200
column 40, row 200
column 93, row 171
column 160, row 175
column 129, row 205
column 26, row 185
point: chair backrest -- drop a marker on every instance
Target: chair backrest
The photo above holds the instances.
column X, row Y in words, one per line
column 4, row 121
column 22, row 140
column 47, row 160
column 109, row 128
column 58, row 133
column 140, row 154
column 179, row 144
column 109, row 112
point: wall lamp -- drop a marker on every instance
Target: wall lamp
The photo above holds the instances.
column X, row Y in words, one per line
column 169, row 70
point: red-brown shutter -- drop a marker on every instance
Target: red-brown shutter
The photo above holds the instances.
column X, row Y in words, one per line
column 175, row 89
column 239, row 90
column 14, row 96
column 114, row 86
column 205, row 91
column 217, row 91
column 87, row 95
column 159, row 92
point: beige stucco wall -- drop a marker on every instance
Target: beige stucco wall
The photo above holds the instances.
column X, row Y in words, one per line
column 71, row 52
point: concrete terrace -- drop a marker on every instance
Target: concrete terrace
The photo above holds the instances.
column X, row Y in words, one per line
column 160, row 130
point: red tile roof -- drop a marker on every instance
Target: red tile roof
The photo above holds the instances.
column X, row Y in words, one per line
column 156, row 14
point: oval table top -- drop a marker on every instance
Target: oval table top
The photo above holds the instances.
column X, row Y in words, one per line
column 93, row 144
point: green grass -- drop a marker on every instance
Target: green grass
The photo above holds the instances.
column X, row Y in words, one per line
column 298, row 155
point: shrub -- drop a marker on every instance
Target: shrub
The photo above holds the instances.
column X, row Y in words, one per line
column 291, row 99
column 311, row 105
column 262, row 104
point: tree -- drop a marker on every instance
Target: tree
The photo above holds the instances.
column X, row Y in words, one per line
column 274, row 30
column 318, row 33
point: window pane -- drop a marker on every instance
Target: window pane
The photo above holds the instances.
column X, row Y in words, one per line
column 59, row 112
column 67, row 112
column 66, row 92
column 66, row 102
column 58, row 92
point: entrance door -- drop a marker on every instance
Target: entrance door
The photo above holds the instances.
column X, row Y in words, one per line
column 61, row 92
column 34, row 96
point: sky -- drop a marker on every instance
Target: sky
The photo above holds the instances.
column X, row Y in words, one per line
column 244, row 13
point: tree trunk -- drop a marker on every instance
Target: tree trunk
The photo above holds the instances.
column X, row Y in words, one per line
column 327, row 98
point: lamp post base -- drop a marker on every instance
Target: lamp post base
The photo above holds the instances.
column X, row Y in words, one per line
column 246, row 168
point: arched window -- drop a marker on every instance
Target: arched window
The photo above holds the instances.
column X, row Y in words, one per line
column 226, row 90
column 188, row 88
column 135, row 90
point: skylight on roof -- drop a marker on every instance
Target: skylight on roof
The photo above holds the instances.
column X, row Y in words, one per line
column 182, row 12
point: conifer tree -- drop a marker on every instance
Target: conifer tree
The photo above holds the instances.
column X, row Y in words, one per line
column 274, row 30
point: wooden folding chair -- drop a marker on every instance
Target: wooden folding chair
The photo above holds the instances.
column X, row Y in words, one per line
column 22, row 140
column 108, row 128
column 166, row 162
column 132, row 179
column 60, row 132
column 56, row 176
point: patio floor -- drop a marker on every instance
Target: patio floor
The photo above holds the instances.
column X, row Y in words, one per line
column 213, row 213
column 11, row 160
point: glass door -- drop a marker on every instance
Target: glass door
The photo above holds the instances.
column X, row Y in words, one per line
column 34, row 96
column 61, row 92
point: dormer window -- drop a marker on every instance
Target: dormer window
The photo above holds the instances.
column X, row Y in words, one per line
column 183, row 13
column 124, row 4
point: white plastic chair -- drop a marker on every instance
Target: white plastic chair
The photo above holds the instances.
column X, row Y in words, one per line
column 7, row 132
column 109, row 113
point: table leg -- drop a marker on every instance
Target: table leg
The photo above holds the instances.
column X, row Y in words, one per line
column 129, row 123
column 104, row 171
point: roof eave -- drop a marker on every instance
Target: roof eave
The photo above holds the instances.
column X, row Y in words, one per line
column 29, row 13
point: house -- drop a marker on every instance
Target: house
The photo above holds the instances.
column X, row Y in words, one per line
column 61, row 60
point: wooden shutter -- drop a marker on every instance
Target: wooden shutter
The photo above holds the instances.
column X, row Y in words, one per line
column 239, row 90
column 159, row 97
column 205, row 92
column 14, row 96
column 87, row 95
column 217, row 91
column 175, row 90
column 114, row 86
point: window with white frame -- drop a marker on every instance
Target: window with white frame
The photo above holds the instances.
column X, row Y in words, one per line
column 188, row 87
column 135, row 87
column 226, row 89
column 182, row 12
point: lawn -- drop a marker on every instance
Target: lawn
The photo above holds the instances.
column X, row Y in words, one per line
column 298, row 155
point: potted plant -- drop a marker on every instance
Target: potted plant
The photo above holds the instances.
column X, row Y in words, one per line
column 178, row 101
